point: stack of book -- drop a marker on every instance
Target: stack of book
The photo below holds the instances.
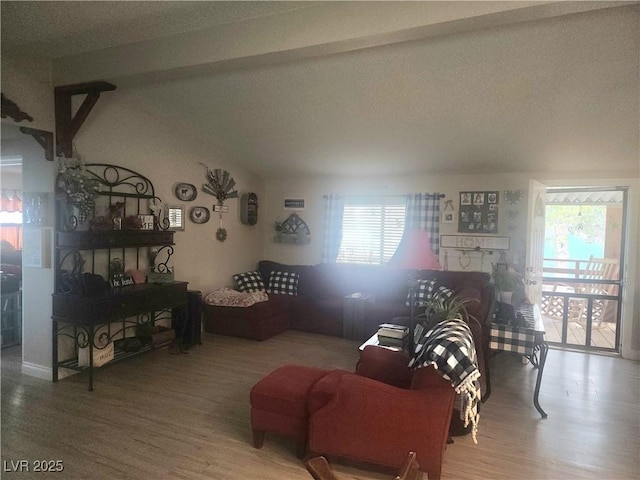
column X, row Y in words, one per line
column 391, row 335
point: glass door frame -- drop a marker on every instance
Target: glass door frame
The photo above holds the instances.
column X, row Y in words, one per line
column 590, row 298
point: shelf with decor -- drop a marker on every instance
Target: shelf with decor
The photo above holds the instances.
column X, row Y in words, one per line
column 113, row 284
column 293, row 230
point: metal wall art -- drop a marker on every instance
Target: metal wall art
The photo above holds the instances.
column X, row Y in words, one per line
column 293, row 230
column 220, row 185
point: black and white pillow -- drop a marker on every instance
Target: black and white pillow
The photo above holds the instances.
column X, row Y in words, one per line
column 443, row 294
column 249, row 282
column 284, row 283
column 424, row 292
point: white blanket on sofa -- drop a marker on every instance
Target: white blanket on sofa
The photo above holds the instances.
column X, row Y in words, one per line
column 227, row 297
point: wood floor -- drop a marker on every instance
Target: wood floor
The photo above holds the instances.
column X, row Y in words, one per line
column 165, row 416
column 602, row 336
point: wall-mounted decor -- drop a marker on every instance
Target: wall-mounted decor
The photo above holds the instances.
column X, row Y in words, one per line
column 11, row 109
column 478, row 212
column 186, row 192
column 175, row 217
column 293, row 204
column 474, row 242
column 220, row 184
column 36, row 209
column 513, row 196
column 292, row 230
column 199, row 214
column 221, row 234
column 249, row 209
column 448, row 212
column 146, row 222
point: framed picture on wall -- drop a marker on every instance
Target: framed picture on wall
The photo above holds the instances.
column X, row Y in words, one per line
column 478, row 212
column 175, row 215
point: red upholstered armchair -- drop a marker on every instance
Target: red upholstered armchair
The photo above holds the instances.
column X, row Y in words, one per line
column 382, row 412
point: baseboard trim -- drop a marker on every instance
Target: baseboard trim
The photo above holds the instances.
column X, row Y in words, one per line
column 38, row 371
column 44, row 373
column 631, row 354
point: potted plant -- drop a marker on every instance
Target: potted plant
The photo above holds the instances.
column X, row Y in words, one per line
column 506, row 280
column 76, row 187
column 439, row 309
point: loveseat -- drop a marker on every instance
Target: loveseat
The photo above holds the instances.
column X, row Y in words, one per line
column 318, row 299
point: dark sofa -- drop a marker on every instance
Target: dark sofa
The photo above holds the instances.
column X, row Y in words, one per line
column 318, row 306
column 322, row 289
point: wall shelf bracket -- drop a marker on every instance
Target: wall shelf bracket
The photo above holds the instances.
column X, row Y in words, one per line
column 67, row 125
column 11, row 109
column 44, row 138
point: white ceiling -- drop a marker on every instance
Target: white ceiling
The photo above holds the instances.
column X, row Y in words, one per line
column 358, row 88
column 58, row 28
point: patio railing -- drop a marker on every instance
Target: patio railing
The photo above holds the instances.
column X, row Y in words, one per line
column 581, row 291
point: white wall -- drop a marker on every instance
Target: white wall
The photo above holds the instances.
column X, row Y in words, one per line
column 120, row 131
column 313, row 190
column 28, row 85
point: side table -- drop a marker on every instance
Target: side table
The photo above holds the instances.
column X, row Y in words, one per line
column 353, row 312
column 528, row 341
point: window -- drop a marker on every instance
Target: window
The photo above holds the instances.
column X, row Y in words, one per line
column 11, row 217
column 371, row 230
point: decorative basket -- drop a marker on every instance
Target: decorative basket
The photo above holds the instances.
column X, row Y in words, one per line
column 100, row 355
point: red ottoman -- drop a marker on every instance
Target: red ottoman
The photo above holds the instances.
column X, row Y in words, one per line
column 279, row 404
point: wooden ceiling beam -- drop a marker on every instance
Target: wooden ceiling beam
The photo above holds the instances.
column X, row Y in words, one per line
column 68, row 125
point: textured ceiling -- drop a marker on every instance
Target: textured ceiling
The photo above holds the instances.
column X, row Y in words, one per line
column 56, row 28
column 549, row 95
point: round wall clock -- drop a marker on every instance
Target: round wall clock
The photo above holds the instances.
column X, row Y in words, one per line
column 186, row 192
column 199, row 214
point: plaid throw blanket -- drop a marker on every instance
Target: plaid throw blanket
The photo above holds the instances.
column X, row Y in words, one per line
column 449, row 347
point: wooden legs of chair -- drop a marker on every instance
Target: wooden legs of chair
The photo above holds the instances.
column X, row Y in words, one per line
column 410, row 469
column 258, row 441
column 320, row 469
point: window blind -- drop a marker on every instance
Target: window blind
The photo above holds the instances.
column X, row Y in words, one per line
column 371, row 232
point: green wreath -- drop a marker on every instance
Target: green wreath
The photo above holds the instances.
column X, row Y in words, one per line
column 221, row 234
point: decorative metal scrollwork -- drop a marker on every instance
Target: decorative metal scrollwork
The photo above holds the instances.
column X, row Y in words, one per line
column 109, row 182
column 164, row 253
column 82, row 338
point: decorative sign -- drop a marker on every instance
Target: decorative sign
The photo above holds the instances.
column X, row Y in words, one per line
column 294, row 203
column 122, row 280
column 474, row 242
column 478, row 212
column 147, row 222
